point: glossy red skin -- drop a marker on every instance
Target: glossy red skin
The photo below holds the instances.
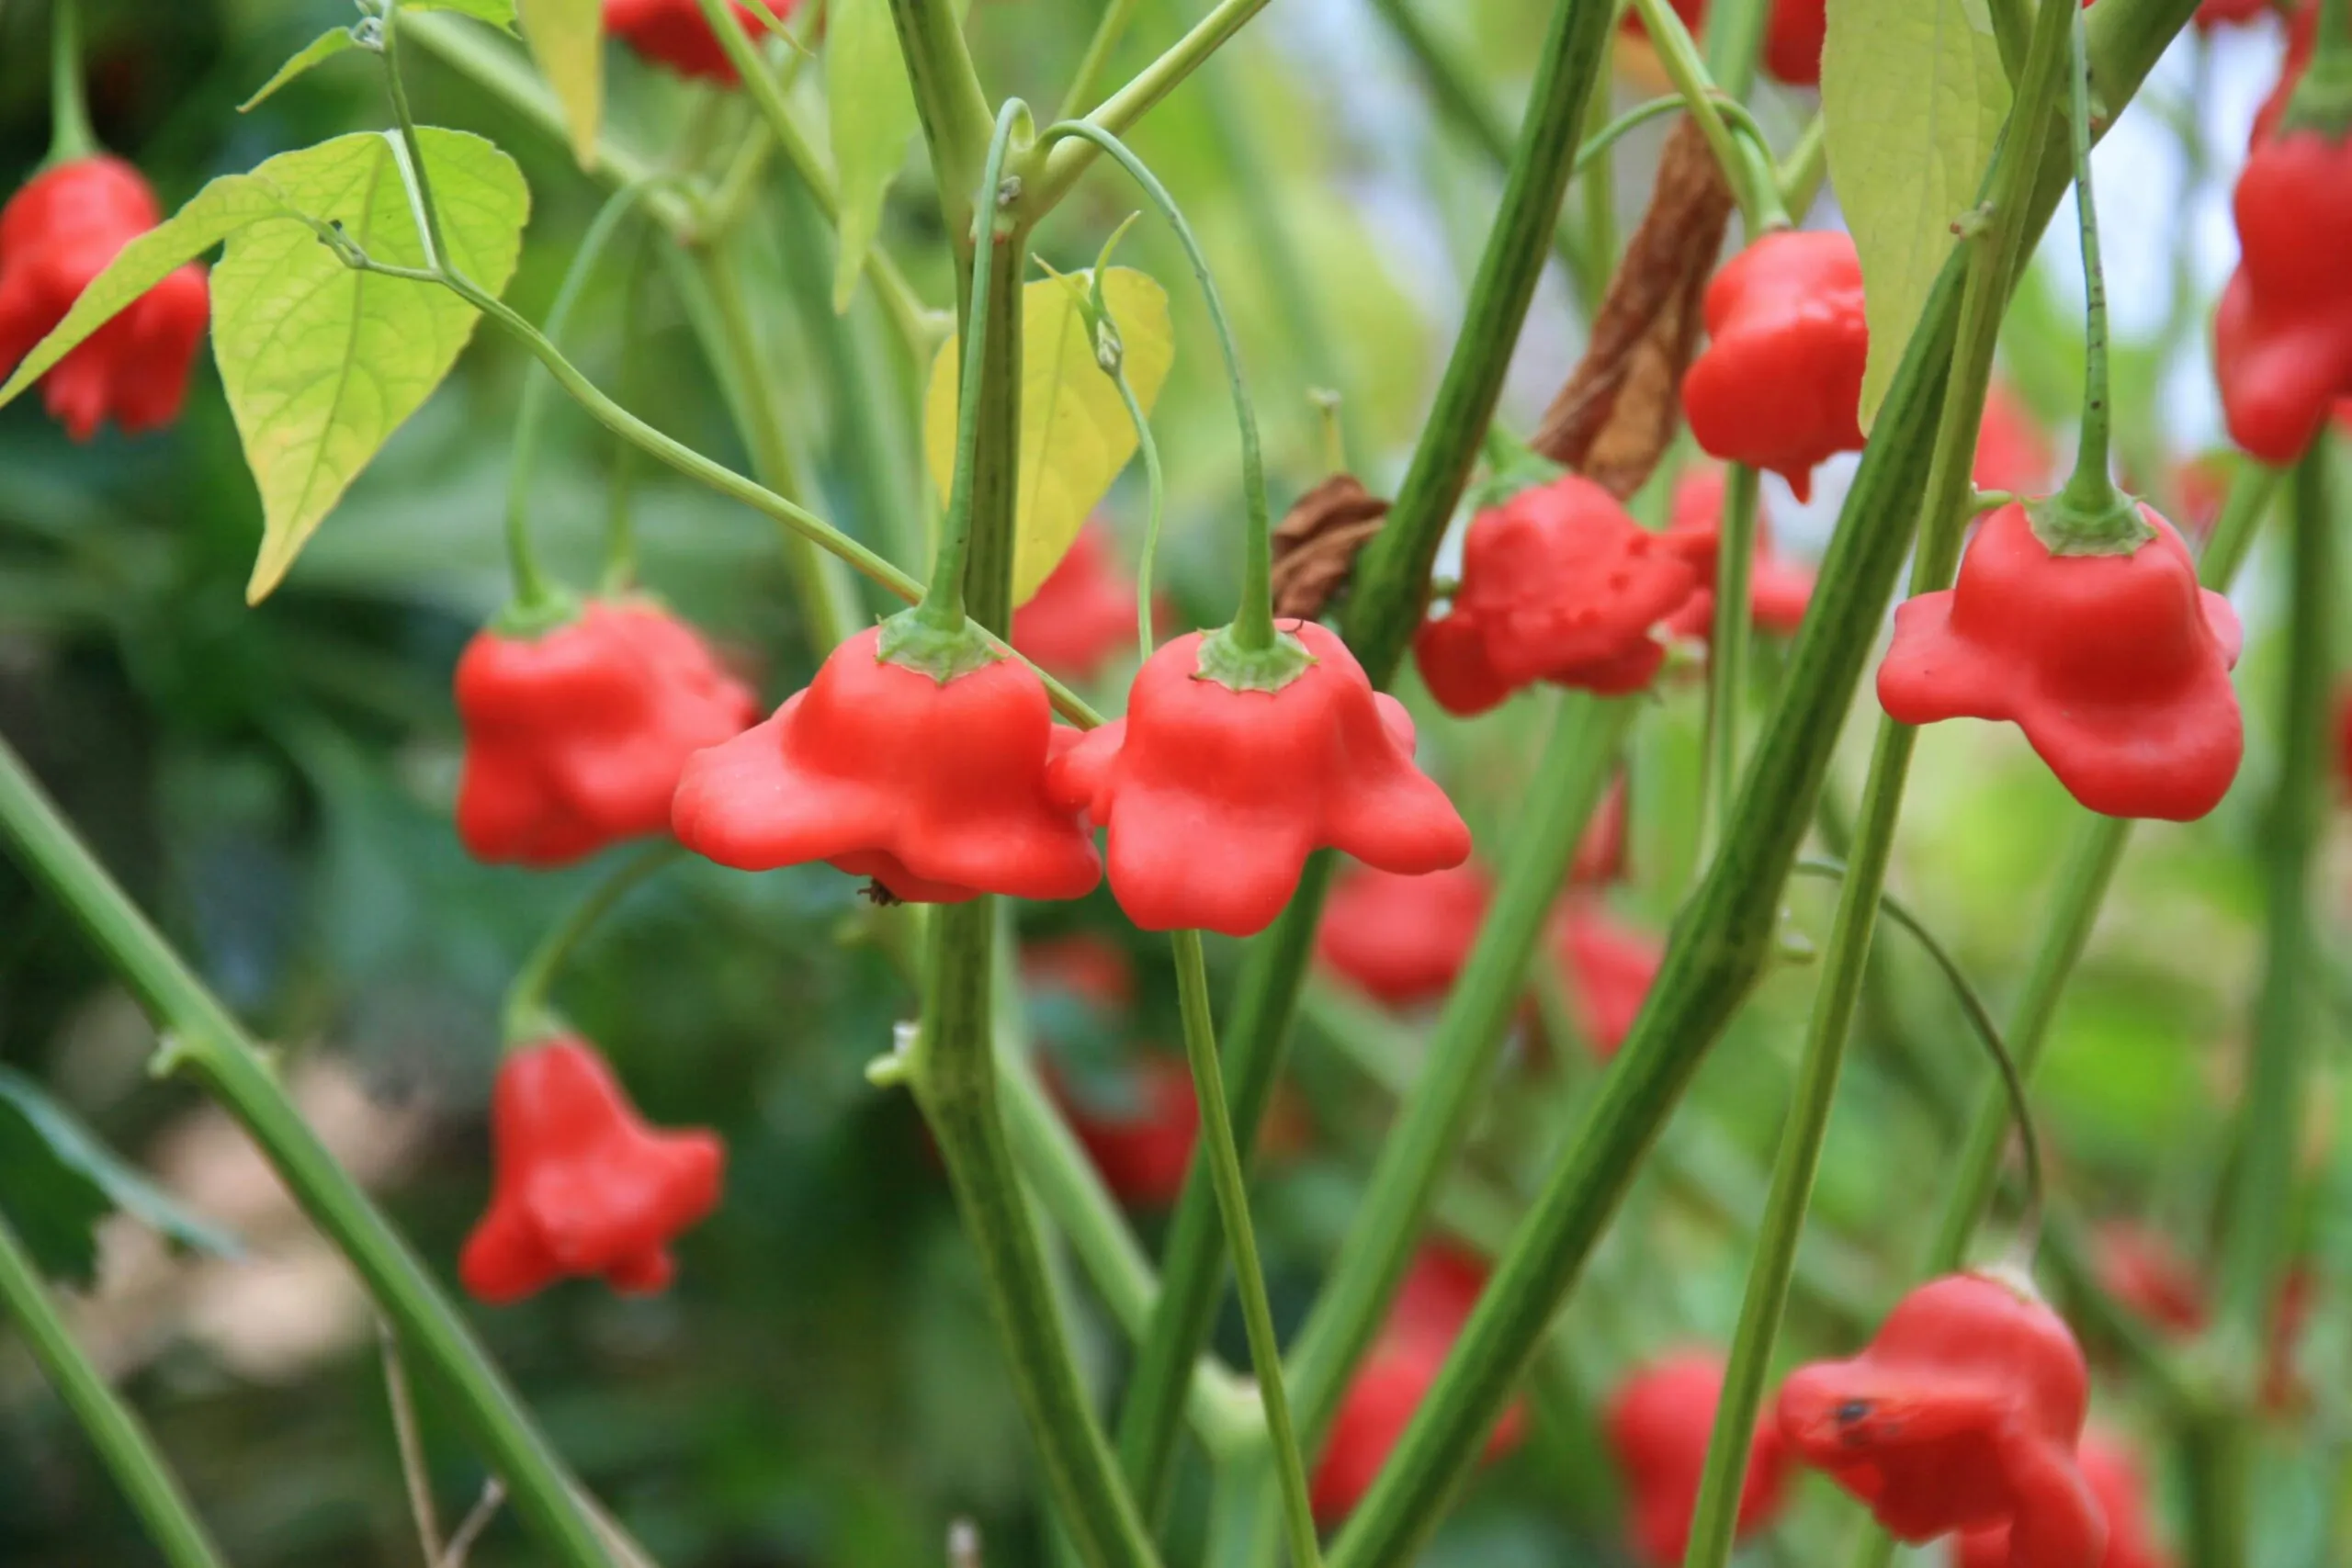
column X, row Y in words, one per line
column 1374, row 1412
column 581, row 1186
column 2115, row 1478
column 1558, row 583
column 1600, row 854
column 1963, row 1414
column 1608, row 967
column 2012, row 453
column 1213, row 799
column 1144, row 1152
column 1779, row 383
column 1778, row 589
column 937, row 792
column 1082, row 616
column 1658, row 1425
column 575, row 738
column 2116, row 667
column 1402, row 940
column 676, row 34
column 2142, row 1270
column 56, row 235
column 2283, row 332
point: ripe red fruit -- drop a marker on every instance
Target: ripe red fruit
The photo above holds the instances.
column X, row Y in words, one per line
column 1963, row 1414
column 1143, row 1147
column 580, row 1185
column 2116, row 667
column 1600, row 854
column 575, row 738
column 1558, row 583
column 936, row 789
column 1780, row 384
column 56, row 235
column 2282, row 333
column 676, row 34
column 1437, row 1295
column 1778, row 589
column 1213, row 797
column 1090, row 968
column 1793, row 38
column 2113, row 1472
column 2141, row 1268
column 1660, row 1423
column 1608, row 967
column 1082, row 614
column 2012, row 453
column 1402, row 940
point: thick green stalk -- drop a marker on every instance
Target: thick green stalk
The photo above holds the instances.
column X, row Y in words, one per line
column 114, row 1430
column 954, row 109
column 203, row 1040
column 1735, row 34
column 1725, row 933
column 1116, row 14
column 1727, row 649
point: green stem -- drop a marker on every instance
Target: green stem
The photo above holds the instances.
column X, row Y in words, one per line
column 619, row 573
column 952, row 104
column 114, row 1430
column 69, row 135
column 1233, row 1203
column 526, row 1016
column 419, row 177
column 1116, row 14
column 1253, row 622
column 203, row 1039
column 1727, row 649
column 1745, row 163
column 1735, row 35
column 1155, row 483
column 1805, row 167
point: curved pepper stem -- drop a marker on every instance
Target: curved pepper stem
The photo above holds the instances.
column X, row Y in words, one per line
column 70, row 136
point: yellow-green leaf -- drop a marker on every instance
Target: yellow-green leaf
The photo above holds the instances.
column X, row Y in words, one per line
column 567, row 37
column 1912, row 97
column 326, row 46
column 1075, row 434
column 497, row 13
column 323, row 363
column 872, row 112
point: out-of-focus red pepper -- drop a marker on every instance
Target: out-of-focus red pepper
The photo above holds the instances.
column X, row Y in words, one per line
column 1659, row 1422
column 1600, row 854
column 1402, row 940
column 1143, row 1148
column 676, row 34
column 1608, row 967
column 2114, row 1474
column 1780, row 384
column 2012, row 453
column 1778, row 589
column 1082, row 614
column 2140, row 1268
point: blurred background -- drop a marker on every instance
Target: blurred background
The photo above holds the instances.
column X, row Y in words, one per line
column 822, row 1386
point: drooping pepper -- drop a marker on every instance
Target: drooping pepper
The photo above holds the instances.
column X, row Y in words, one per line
column 2012, row 453
column 1608, row 967
column 56, row 235
column 1777, row 588
column 676, row 34
column 580, row 1185
column 1779, row 383
column 2141, row 1268
column 934, row 788
column 575, row 737
column 1659, row 1424
column 1214, row 795
column 2117, row 666
column 1558, row 583
column 2114, row 1474
column 1963, row 1414
column 1402, row 940
column 1082, row 614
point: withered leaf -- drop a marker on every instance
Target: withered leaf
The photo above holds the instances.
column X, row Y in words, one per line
column 1317, row 541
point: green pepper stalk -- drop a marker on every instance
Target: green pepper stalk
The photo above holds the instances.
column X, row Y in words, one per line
column 69, row 135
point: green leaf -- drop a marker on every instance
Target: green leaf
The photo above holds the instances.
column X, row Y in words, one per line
column 567, row 37
column 59, row 1181
column 1912, row 97
column 1075, row 434
column 872, row 112
column 321, row 362
column 497, row 13
column 326, row 46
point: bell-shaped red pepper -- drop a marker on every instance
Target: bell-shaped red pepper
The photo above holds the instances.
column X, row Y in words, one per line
column 676, row 34
column 1558, row 583
column 1213, row 797
column 575, row 738
column 2282, row 333
column 1140, row 1137
column 580, row 1185
column 1780, row 384
column 1082, row 614
column 936, row 789
column 2141, row 1268
column 1608, row 967
column 2117, row 666
column 2012, row 454
column 1659, row 1424
column 2115, row 1478
column 1777, row 588
column 1961, row 1414
column 1402, row 940
column 56, row 235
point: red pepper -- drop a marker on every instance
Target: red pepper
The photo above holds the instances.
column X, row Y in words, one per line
column 1778, row 589
column 1793, row 38
column 1090, row 968
column 2203, row 486
column 936, row 789
column 2214, row 14
column 1403, row 940
column 2142, row 1270
column 575, row 738
column 1213, row 797
column 56, row 235
column 1600, row 854
column 1437, row 1295
column 1142, row 1148
column 581, row 1186
column 2117, row 666
column 676, row 34
column 2302, row 43
column 2282, row 333
column 2113, row 1472
column 1082, row 614
column 1558, row 583
column 1660, row 1423
column 2012, row 454
column 1609, row 968
column 1963, row 1414
column 1780, row 384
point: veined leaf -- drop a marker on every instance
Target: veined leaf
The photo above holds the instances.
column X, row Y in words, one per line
column 567, row 37
column 325, row 47
column 1912, row 97
column 872, row 112
column 1075, row 434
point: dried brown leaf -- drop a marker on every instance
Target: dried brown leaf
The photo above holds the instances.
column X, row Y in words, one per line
column 1317, row 541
